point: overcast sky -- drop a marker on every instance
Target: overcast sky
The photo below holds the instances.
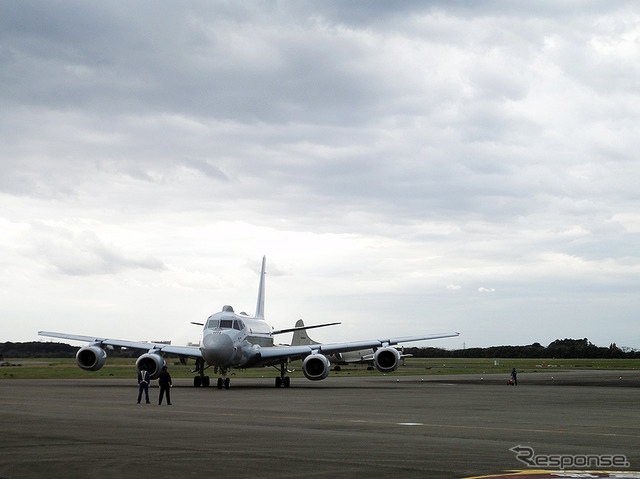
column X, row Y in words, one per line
column 406, row 167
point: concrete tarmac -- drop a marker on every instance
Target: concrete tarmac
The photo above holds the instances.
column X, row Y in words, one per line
column 391, row 426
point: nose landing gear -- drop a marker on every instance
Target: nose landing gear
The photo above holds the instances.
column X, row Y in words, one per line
column 224, row 382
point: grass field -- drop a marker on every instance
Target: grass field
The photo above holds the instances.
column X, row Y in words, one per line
column 124, row 368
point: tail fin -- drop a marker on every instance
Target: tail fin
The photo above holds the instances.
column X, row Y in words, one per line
column 260, row 305
column 300, row 336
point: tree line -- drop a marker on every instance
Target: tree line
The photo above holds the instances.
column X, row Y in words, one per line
column 560, row 348
column 38, row 349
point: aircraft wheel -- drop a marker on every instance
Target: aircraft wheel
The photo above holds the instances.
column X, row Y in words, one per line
column 227, row 383
column 278, row 382
column 287, row 382
column 219, row 383
column 197, row 382
column 206, row 382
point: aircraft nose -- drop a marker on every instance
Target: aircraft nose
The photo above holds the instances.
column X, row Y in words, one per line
column 217, row 349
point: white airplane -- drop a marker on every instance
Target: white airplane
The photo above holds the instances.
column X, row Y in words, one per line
column 233, row 340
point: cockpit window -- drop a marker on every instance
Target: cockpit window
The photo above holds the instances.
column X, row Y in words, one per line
column 212, row 324
column 226, row 323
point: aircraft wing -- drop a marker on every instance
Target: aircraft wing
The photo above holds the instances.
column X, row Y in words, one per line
column 295, row 352
column 189, row 351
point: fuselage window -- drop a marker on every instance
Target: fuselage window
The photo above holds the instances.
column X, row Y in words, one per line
column 226, row 323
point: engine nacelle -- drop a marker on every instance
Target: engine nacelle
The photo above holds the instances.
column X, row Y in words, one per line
column 91, row 358
column 386, row 360
column 316, row 367
column 152, row 362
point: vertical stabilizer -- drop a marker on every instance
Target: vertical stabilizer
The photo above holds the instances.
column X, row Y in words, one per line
column 300, row 336
column 260, row 305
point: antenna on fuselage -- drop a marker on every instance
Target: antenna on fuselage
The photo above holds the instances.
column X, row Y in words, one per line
column 260, row 305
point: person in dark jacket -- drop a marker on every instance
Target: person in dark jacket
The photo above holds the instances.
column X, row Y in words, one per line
column 164, row 380
column 514, row 377
column 143, row 384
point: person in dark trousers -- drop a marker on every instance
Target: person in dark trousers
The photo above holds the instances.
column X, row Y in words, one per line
column 164, row 379
column 143, row 384
column 514, row 377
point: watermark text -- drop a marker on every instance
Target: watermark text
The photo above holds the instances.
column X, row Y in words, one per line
column 527, row 455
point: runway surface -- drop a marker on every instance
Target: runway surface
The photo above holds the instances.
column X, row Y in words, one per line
column 392, row 426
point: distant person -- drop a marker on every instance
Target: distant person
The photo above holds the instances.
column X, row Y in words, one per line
column 143, row 384
column 514, row 377
column 164, row 379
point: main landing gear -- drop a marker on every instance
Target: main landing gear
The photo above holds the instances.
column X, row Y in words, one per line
column 200, row 380
column 283, row 381
column 224, row 382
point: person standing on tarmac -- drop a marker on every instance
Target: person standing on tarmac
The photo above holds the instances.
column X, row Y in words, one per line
column 143, row 384
column 164, row 380
column 514, row 377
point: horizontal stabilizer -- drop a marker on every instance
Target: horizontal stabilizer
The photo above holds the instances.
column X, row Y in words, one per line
column 301, row 328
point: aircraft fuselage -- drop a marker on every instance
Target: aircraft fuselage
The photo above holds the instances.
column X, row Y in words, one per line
column 233, row 340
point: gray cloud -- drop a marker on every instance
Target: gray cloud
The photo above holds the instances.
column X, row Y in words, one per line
column 83, row 253
column 448, row 146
